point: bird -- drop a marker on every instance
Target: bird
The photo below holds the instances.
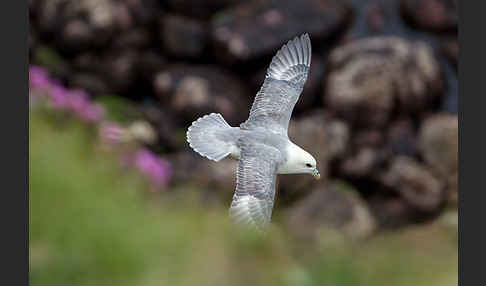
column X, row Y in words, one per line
column 261, row 144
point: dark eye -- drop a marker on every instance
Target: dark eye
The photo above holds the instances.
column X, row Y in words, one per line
column 308, row 165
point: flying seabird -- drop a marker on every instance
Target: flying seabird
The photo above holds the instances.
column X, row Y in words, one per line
column 261, row 143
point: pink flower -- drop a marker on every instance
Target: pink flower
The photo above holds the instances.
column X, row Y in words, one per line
column 111, row 133
column 58, row 96
column 158, row 170
column 79, row 103
column 93, row 112
column 39, row 78
column 78, row 100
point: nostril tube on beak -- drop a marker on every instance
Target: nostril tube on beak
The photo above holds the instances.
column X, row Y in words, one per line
column 316, row 174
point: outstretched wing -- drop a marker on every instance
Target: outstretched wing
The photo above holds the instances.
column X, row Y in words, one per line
column 281, row 89
column 255, row 185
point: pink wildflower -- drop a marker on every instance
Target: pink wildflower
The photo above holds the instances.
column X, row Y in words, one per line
column 111, row 133
column 158, row 170
column 39, row 78
column 78, row 100
column 58, row 96
column 79, row 103
column 93, row 112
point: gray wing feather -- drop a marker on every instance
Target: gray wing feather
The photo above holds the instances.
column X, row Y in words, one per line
column 255, row 185
column 282, row 87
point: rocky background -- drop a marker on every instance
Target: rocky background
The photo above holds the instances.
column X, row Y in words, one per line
column 379, row 110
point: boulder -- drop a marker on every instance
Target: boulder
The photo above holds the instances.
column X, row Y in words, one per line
column 334, row 205
column 392, row 211
column 201, row 9
column 120, row 69
column 368, row 138
column 435, row 15
column 149, row 62
column 81, row 25
column 450, row 48
column 193, row 91
column 170, row 136
column 402, row 138
column 117, row 68
column 414, row 183
column 183, row 37
column 217, row 180
column 133, row 39
column 438, row 143
column 77, row 25
column 91, row 82
column 258, row 28
column 366, row 77
column 363, row 163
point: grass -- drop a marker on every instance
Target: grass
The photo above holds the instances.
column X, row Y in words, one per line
column 95, row 223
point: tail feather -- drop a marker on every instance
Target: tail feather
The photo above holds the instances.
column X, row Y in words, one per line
column 205, row 136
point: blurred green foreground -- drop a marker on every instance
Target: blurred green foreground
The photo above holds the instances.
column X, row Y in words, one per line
column 93, row 223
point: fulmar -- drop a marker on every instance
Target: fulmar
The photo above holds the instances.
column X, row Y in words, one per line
column 261, row 143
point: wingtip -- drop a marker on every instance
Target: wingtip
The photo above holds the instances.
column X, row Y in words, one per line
column 295, row 52
column 303, row 38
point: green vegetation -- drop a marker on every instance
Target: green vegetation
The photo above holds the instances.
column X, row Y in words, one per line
column 95, row 223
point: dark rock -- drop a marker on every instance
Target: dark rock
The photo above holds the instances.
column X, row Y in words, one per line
column 90, row 82
column 170, row 136
column 87, row 62
column 120, row 69
column 436, row 15
column 259, row 28
column 335, row 205
column 182, row 162
column 148, row 63
column 114, row 71
column 375, row 17
column 450, row 48
column 391, row 212
column 368, row 138
column 402, row 138
column 219, row 177
column 415, row 184
column 202, row 9
column 117, row 68
column 216, row 179
column 372, row 18
column 367, row 76
column 450, row 100
column 438, row 141
column 79, row 25
column 194, row 91
column 367, row 154
column 143, row 12
column 363, row 163
column 324, row 138
column 136, row 38
column 78, row 35
column 312, row 87
column 183, row 37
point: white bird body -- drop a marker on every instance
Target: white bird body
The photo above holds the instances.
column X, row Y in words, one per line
column 261, row 143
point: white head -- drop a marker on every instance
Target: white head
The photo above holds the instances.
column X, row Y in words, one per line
column 299, row 161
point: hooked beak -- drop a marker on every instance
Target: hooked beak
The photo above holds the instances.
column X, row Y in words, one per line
column 316, row 174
